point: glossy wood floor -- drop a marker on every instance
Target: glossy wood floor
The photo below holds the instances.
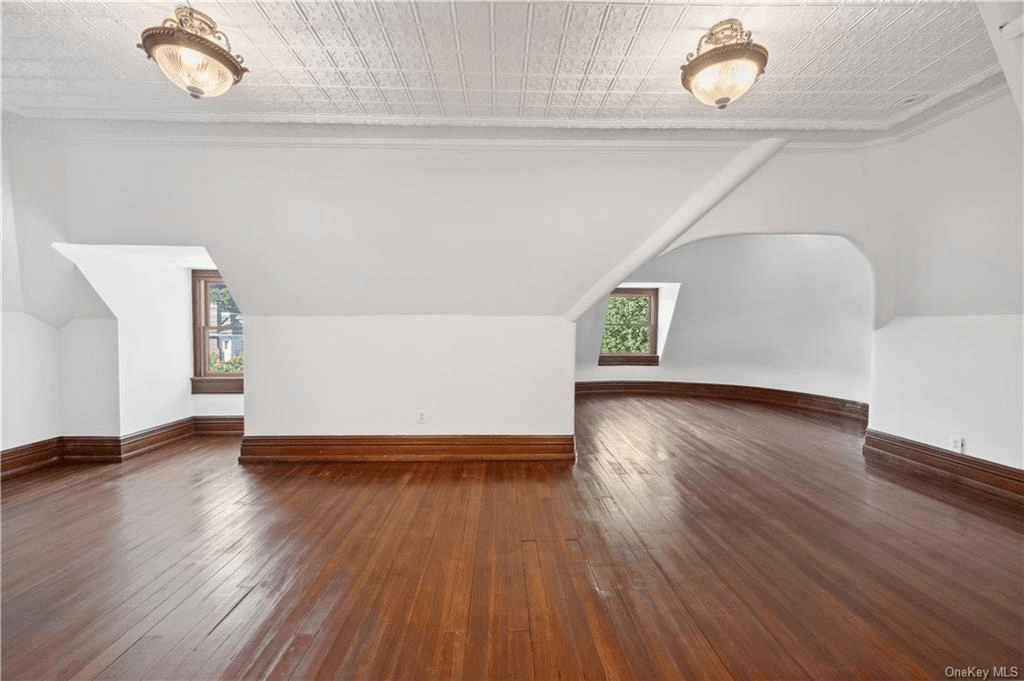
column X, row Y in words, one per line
column 692, row 540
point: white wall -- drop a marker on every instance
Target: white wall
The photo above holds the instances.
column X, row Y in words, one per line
column 150, row 293
column 945, row 217
column 60, row 356
column 952, row 376
column 946, row 228
column 13, row 300
column 797, row 191
column 370, row 375
column 589, row 329
column 90, row 378
column 31, row 380
column 37, row 165
column 792, row 312
column 464, row 229
column 156, row 348
column 218, row 405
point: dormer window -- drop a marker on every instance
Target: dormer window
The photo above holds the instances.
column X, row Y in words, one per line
column 630, row 334
column 218, row 347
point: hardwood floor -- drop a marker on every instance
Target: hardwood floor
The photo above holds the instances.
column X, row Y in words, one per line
column 693, row 539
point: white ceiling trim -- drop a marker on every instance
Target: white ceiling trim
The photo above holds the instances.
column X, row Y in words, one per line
column 749, row 125
column 408, row 143
column 921, row 124
column 90, row 131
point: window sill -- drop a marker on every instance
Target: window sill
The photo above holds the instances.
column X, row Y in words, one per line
column 205, row 385
column 628, row 360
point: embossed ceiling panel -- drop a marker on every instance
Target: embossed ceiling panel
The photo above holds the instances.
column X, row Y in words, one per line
column 833, row 65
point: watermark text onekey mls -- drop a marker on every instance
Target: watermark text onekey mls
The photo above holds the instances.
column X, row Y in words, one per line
column 1002, row 672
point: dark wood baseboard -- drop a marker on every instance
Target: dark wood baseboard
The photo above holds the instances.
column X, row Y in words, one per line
column 91, row 449
column 143, row 441
column 112, row 449
column 117, row 449
column 980, row 479
column 367, row 448
column 30, row 457
column 819, row 404
column 218, row 425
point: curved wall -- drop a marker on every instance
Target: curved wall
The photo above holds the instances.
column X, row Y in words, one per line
column 784, row 311
column 939, row 214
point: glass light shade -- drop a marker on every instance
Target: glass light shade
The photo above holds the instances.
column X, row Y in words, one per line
column 726, row 66
column 193, row 53
column 723, row 83
column 192, row 71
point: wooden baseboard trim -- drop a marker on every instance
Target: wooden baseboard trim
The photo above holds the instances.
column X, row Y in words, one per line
column 30, row 457
column 819, row 404
column 372, row 448
column 117, row 449
column 112, row 449
column 151, row 438
column 983, row 480
column 218, row 425
column 91, row 449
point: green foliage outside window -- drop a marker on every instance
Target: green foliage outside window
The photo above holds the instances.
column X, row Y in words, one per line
column 625, row 325
column 220, row 297
column 230, row 365
column 227, row 312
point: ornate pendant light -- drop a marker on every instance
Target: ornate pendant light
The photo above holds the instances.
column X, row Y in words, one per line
column 193, row 54
column 726, row 65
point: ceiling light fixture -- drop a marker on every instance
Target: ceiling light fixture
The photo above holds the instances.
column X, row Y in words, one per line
column 726, row 65
column 188, row 48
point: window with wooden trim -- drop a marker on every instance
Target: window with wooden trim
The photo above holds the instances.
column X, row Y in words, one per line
column 218, row 345
column 630, row 335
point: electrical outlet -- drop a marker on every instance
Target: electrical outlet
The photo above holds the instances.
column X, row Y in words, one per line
column 958, row 444
column 421, row 416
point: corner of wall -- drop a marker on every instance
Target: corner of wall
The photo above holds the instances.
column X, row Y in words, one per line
column 31, row 380
column 90, row 377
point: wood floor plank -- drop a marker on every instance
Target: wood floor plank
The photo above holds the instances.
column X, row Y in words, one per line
column 746, row 647
column 338, row 535
column 542, row 639
column 692, row 539
column 356, row 616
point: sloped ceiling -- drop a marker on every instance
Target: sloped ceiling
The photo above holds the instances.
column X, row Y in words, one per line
column 347, row 230
column 839, row 66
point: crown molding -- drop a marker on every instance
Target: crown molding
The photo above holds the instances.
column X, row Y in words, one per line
column 753, row 125
column 831, row 125
column 423, row 143
column 447, row 134
column 915, row 126
column 967, row 86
